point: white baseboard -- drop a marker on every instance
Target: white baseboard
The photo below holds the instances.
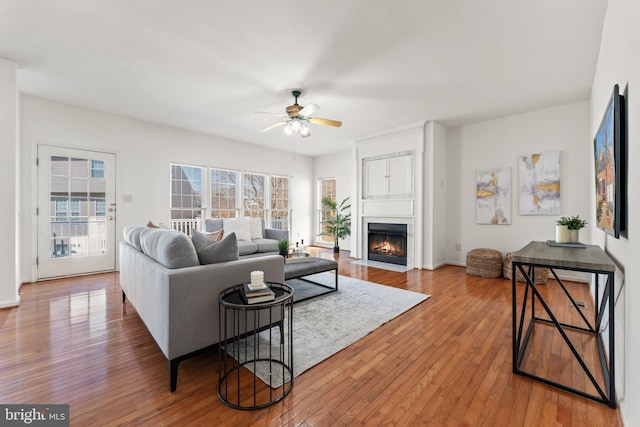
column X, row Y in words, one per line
column 10, row 304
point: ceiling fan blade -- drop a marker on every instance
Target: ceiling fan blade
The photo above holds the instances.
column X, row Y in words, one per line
column 328, row 122
column 271, row 114
column 275, row 125
column 308, row 110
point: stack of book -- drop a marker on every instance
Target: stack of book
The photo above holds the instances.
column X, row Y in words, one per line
column 255, row 295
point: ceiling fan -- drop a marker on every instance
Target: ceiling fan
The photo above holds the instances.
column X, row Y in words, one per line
column 298, row 117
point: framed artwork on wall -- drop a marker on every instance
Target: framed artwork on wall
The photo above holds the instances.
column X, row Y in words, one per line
column 493, row 196
column 539, row 183
column 610, row 158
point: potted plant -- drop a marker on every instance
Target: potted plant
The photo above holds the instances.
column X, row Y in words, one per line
column 567, row 229
column 283, row 247
column 339, row 223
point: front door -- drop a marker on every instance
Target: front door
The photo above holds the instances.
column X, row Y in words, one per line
column 76, row 212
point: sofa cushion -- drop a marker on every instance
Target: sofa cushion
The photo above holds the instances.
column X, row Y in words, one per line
column 170, row 248
column 222, row 251
column 213, row 224
column 246, row 248
column 131, row 235
column 240, row 226
column 266, row 245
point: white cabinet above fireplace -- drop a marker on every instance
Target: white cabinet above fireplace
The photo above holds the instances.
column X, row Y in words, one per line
column 389, row 176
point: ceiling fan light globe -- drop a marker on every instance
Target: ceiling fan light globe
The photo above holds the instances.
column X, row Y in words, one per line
column 296, row 125
column 288, row 130
column 304, row 131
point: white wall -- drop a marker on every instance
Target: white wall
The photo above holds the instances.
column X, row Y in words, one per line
column 454, row 190
column 440, row 217
column 498, row 144
column 9, row 176
column 339, row 166
column 618, row 63
column 434, row 233
column 143, row 153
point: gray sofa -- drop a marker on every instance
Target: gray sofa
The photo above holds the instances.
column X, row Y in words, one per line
column 266, row 244
column 177, row 297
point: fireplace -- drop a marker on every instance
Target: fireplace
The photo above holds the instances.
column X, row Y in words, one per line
column 387, row 243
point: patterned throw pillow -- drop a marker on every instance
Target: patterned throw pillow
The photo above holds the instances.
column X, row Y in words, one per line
column 216, row 236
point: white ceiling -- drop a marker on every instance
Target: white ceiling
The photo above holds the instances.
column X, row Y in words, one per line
column 209, row 65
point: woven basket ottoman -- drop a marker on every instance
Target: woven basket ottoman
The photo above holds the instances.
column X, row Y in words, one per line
column 541, row 276
column 484, row 262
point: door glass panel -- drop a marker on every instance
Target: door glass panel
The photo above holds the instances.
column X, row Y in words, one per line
column 77, row 209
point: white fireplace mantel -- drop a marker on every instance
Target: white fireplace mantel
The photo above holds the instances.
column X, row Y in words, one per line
column 389, row 187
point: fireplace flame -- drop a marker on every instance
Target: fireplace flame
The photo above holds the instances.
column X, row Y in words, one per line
column 385, row 248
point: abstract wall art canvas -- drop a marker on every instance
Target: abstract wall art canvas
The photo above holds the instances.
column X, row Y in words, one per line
column 493, row 193
column 539, row 183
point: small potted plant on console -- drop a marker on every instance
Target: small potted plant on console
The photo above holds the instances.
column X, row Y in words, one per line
column 283, row 247
column 567, row 229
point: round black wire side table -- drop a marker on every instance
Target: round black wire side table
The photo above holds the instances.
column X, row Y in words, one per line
column 256, row 348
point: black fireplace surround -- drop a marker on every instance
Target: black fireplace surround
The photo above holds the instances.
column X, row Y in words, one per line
column 387, row 243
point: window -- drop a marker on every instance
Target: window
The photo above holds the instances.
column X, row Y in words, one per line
column 78, row 189
column 75, row 207
column 186, row 197
column 253, row 195
column 224, row 185
column 97, row 168
column 279, row 202
column 326, row 188
column 232, row 194
column 99, row 206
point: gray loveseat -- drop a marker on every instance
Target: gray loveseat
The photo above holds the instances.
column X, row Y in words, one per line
column 177, row 297
column 266, row 243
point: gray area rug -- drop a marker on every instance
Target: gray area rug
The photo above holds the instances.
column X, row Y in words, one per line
column 325, row 325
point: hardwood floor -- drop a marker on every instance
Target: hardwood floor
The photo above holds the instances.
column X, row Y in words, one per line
column 447, row 361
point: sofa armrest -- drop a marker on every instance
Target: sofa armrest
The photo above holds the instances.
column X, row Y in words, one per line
column 272, row 233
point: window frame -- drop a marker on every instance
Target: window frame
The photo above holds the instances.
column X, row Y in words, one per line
column 273, row 218
column 237, row 209
column 195, row 222
column 321, row 212
column 207, row 209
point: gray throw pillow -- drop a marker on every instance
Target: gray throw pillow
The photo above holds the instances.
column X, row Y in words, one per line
column 200, row 240
column 222, row 251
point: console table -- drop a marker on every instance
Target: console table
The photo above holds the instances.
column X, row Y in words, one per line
column 590, row 259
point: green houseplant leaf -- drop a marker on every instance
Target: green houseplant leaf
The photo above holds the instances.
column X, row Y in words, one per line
column 339, row 223
column 572, row 223
column 283, row 247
